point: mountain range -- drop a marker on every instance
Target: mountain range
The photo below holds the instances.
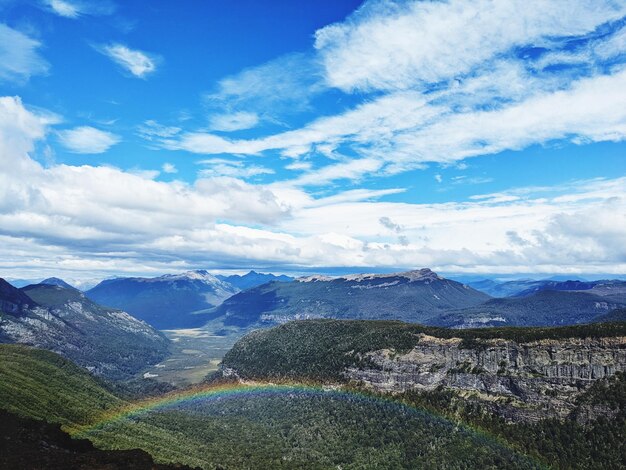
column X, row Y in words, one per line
column 413, row 296
column 108, row 342
column 523, row 287
column 421, row 296
column 165, row 302
column 253, row 279
column 542, row 308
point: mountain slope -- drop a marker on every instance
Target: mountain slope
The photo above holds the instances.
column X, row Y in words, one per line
column 27, row 443
column 543, row 308
column 302, row 428
column 612, row 289
column 507, row 288
column 411, row 296
column 40, row 384
column 165, row 302
column 327, row 349
column 253, row 279
column 555, row 393
column 39, row 387
column 108, row 342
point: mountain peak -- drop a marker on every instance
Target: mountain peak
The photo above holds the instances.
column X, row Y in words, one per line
column 194, row 275
column 55, row 281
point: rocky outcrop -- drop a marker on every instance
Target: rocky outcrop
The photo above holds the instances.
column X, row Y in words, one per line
column 527, row 380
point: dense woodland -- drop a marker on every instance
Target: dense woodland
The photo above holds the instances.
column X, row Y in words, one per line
column 322, row 349
column 561, row 444
column 322, row 430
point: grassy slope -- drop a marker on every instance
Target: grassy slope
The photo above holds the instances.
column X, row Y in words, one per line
column 42, row 385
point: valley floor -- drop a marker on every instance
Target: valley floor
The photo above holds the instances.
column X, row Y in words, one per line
column 195, row 353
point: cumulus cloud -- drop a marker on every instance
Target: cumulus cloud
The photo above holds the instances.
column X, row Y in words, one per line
column 77, row 219
column 89, row 207
column 417, row 86
column 19, row 56
column 138, row 63
column 86, row 139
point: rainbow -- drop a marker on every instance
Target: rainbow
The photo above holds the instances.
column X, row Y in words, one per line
column 233, row 390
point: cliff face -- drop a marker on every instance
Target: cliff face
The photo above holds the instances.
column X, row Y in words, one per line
column 526, row 379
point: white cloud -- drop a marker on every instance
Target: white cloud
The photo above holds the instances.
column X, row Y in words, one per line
column 403, row 130
column 76, row 219
column 138, row 63
column 299, row 166
column 169, row 168
column 282, row 86
column 152, row 130
column 233, row 121
column 389, row 46
column 232, row 168
column 452, row 82
column 19, row 57
column 75, row 8
column 64, row 8
column 86, row 139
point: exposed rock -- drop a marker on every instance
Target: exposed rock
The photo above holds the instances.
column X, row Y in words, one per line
column 529, row 379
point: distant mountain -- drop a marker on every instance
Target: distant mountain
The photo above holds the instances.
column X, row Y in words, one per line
column 524, row 287
column 412, row 296
column 543, row 308
column 55, row 281
column 166, row 302
column 19, row 283
column 253, row 279
column 504, row 289
column 108, row 342
column 614, row 289
column 80, row 284
column 617, row 315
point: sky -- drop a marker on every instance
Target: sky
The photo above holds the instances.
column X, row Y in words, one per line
column 473, row 137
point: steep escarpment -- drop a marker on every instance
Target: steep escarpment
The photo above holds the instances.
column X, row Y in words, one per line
column 536, row 376
column 527, row 372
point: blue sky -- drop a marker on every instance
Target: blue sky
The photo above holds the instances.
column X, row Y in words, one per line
column 470, row 137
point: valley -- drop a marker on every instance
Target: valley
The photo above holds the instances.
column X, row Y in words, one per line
column 268, row 389
column 193, row 354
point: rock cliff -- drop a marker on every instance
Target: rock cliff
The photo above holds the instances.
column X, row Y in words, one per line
column 520, row 373
column 533, row 378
